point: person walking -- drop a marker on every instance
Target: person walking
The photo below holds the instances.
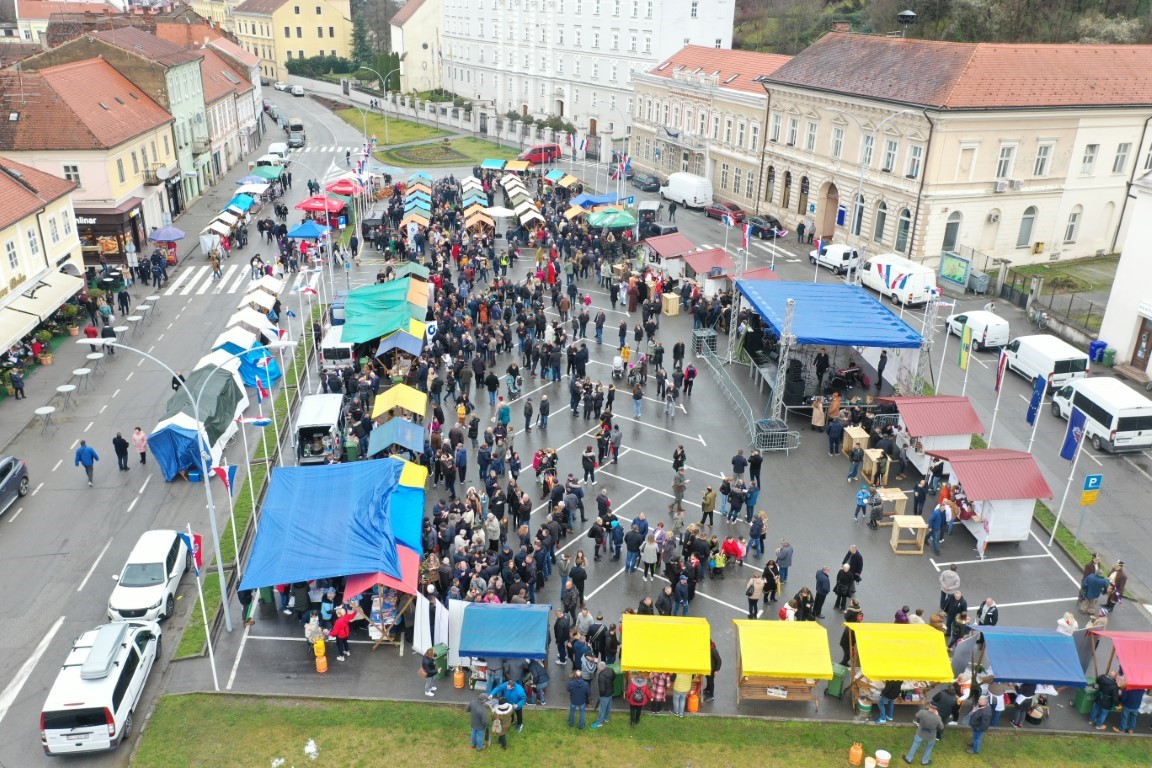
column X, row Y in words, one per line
column 578, row 694
column 120, row 446
column 18, row 385
column 140, row 441
column 936, row 522
column 679, row 485
column 862, row 497
column 479, row 712
column 949, row 584
column 87, row 458
column 929, row 726
column 672, row 211
column 979, row 720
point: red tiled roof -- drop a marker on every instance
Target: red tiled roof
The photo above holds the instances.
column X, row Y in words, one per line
column 735, row 70
column 148, row 45
column 702, row 262
column 668, row 246
column 25, row 190
column 219, row 79
column 762, row 273
column 401, row 17
column 229, row 48
column 946, row 75
column 938, row 415
column 259, row 7
column 991, row 474
column 44, row 9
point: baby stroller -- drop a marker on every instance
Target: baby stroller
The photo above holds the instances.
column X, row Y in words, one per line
column 515, row 383
column 617, row 367
column 633, row 375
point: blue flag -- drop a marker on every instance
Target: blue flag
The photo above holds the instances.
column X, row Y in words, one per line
column 1074, row 434
column 290, row 313
column 1038, row 387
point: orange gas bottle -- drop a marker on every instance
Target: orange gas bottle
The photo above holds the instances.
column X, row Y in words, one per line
column 856, row 754
column 458, row 678
column 322, row 665
column 693, row 704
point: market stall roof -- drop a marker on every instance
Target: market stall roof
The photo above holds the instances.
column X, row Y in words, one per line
column 235, row 340
column 1030, row 655
column 761, row 273
column 259, row 298
column 254, row 321
column 937, row 415
column 990, row 474
column 403, row 341
column 406, row 526
column 481, row 219
column 492, row 164
column 320, row 203
column 414, row 218
column 532, row 215
column 859, row 320
column 254, row 189
column 417, row 193
column 218, row 359
column 527, row 205
column 902, row 652
column 510, row 178
column 403, row 396
column 269, row 172
column 585, row 200
column 421, row 175
column 499, row 211
column 473, row 209
column 374, row 311
column 470, row 181
column 228, row 218
column 676, row 644
column 241, row 201
column 783, row 649
column 325, row 521
column 308, row 230
column 670, row 246
column 554, row 175
column 418, row 187
column 505, row 630
column 267, row 282
column 396, row 432
column 518, row 166
column 414, row 269
column 573, row 212
column 568, row 181
column 611, row 218
column 1135, row 652
column 704, row 262
column 217, row 228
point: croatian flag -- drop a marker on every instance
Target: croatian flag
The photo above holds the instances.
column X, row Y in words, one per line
column 283, row 332
column 308, row 289
column 195, row 544
column 571, row 140
column 261, row 391
column 254, row 421
column 227, row 476
column 583, row 144
column 819, row 246
column 728, row 221
column 263, row 362
column 747, row 235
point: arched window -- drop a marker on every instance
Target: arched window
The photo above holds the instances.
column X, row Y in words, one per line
column 1072, row 228
column 1027, row 222
column 903, row 228
column 769, row 184
column 952, row 231
column 881, row 223
column 858, row 215
column 787, row 190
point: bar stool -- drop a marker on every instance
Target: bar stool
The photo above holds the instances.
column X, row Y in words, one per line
column 144, row 311
column 96, row 362
column 45, row 414
column 65, row 391
column 81, row 375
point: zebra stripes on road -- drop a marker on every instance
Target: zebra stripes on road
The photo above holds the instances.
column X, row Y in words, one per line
column 235, row 279
column 322, row 149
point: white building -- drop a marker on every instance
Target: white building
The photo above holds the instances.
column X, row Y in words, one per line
column 416, row 39
column 1127, row 325
column 573, row 59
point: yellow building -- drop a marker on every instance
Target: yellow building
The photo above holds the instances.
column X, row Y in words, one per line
column 279, row 31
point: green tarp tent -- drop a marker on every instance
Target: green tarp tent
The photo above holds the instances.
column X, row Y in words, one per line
column 373, row 311
column 418, row 271
column 218, row 402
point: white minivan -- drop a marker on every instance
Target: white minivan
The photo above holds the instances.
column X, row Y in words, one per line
column 1117, row 418
column 319, row 429
column 91, row 704
column 1047, row 356
column 334, row 350
column 278, row 148
column 835, row 256
column 899, row 279
column 687, row 189
column 988, row 328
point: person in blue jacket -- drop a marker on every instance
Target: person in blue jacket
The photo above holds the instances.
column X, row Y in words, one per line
column 87, row 458
column 513, row 693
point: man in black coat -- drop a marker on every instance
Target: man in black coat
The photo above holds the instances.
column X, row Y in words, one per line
column 855, row 562
column 710, row 679
column 561, row 629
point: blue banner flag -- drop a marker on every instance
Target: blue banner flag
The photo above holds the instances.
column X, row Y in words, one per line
column 1038, row 388
column 1074, row 434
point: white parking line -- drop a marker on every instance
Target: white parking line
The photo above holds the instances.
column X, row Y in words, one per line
column 89, row 426
column 742, row 611
column 37, row 489
column 92, row 570
column 15, row 515
column 146, row 481
column 1060, row 565
column 25, row 671
column 58, row 463
column 606, row 582
column 1038, row 602
column 239, row 655
column 939, row 566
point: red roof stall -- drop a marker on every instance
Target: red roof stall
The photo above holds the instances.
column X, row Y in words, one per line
column 936, row 423
column 666, row 252
column 998, row 488
column 760, row 273
column 708, row 269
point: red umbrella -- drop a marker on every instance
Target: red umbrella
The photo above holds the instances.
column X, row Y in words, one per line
column 345, row 187
column 319, row 203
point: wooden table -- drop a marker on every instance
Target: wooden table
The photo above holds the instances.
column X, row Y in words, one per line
column 915, row 525
column 871, row 460
column 899, row 500
column 854, row 436
column 776, row 689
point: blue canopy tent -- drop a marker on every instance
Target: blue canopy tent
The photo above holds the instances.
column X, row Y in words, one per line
column 416, row 193
column 309, row 230
column 399, row 432
column 492, row 164
column 586, row 200
column 554, row 175
column 858, row 319
column 243, row 202
column 326, row 521
column 403, row 341
column 505, row 631
column 256, row 363
column 1029, row 655
column 419, row 175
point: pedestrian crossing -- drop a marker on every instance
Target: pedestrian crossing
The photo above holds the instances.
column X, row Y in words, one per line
column 235, row 279
column 733, row 250
column 322, row 149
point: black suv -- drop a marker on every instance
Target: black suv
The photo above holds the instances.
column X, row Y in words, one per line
column 645, row 182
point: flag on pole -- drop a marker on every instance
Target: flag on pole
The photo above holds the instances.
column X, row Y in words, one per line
column 583, row 144
column 227, row 476
column 965, row 347
column 282, row 332
column 195, row 544
column 261, row 391
column 728, row 220
column 263, row 362
column 1001, row 366
column 253, row 421
column 571, row 140
column 1074, row 434
column 290, row 313
column 819, row 245
column 1038, row 388
column 747, row 235
column 308, row 289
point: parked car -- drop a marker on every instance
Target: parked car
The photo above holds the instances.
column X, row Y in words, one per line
column 645, row 182
column 282, row 86
column 267, row 105
column 764, row 226
column 13, row 481
column 146, row 588
column 296, row 139
column 720, row 210
column 297, row 90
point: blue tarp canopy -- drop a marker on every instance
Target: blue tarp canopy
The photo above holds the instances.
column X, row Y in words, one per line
column 175, row 445
column 403, row 341
column 416, row 193
column 396, row 432
column 243, row 202
column 832, row 314
column 309, row 230
column 418, row 176
column 258, row 362
column 331, row 520
column 1028, row 655
column 554, row 175
column 492, row 164
column 504, row 631
column 586, row 200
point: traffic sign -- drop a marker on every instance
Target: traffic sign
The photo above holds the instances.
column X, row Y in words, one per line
column 1088, row 498
column 1093, row 482
column 631, row 199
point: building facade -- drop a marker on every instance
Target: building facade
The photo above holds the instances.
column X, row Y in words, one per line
column 704, row 111
column 281, row 30
column 1127, row 324
column 416, row 39
column 1017, row 153
column 574, row 59
column 32, row 16
column 250, row 115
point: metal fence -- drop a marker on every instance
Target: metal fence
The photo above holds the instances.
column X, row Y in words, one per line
column 775, row 437
column 1072, row 309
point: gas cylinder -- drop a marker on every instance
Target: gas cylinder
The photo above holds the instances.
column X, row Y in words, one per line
column 319, row 648
column 856, row 754
column 693, row 701
column 322, row 664
column 458, row 678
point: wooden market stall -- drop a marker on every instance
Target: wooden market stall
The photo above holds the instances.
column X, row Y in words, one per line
column 709, row 270
column 678, row 645
column 935, row 423
column 403, row 397
column 916, row 654
column 780, row 660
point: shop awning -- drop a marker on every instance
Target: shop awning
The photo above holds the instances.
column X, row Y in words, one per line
column 44, row 296
column 492, row 164
column 1135, row 652
column 568, row 181
column 783, row 649
column 1028, row 655
column 503, row 631
column 118, row 210
column 403, row 396
column 15, row 325
column 678, row 644
column 399, row 432
column 902, row 652
column 938, row 415
column 518, row 166
column 993, row 474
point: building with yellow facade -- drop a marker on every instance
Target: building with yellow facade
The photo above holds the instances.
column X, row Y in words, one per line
column 279, row 31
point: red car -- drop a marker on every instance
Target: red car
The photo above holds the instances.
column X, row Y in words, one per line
column 720, row 210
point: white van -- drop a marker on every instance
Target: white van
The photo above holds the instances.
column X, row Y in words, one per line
column 1047, row 356
column 901, row 280
column 334, row 350
column 274, row 160
column 988, row 328
column 90, row 706
column 687, row 189
column 278, row 148
column 319, row 428
column 835, row 256
column 1117, row 417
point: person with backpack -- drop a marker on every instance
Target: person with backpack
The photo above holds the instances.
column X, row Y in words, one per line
column 1107, row 697
column 637, row 694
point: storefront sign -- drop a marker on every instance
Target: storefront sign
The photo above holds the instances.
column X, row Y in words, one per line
column 1144, row 309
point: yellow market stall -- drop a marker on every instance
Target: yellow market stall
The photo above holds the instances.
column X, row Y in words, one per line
column 780, row 660
column 913, row 653
column 677, row 644
column 401, row 396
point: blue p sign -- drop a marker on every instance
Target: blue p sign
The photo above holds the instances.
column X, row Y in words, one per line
column 1093, row 482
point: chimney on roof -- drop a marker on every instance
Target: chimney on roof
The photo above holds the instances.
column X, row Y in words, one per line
column 842, row 26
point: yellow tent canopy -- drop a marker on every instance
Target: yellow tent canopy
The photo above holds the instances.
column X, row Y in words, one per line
column 516, row 165
column 416, row 327
column 417, row 187
column 573, row 212
column 402, row 396
column 479, row 219
column 783, row 649
column 420, row 220
column 472, row 210
column 676, row 644
column 568, row 181
column 902, row 652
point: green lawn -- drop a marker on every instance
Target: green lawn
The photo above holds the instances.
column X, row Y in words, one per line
column 399, row 131
column 1077, row 275
column 208, row 731
column 463, row 151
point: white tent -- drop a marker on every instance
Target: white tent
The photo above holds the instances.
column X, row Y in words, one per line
column 238, row 337
column 257, row 299
column 251, row 320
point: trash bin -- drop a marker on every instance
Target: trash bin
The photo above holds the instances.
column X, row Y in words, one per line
column 835, row 686
column 618, row 681
column 1096, row 350
column 351, row 451
column 1109, row 357
column 441, row 651
column 1085, row 697
column 193, row 475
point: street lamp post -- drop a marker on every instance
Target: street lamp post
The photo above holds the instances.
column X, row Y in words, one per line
column 383, row 87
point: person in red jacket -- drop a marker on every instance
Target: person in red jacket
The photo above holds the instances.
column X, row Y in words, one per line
column 341, row 630
column 637, row 694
